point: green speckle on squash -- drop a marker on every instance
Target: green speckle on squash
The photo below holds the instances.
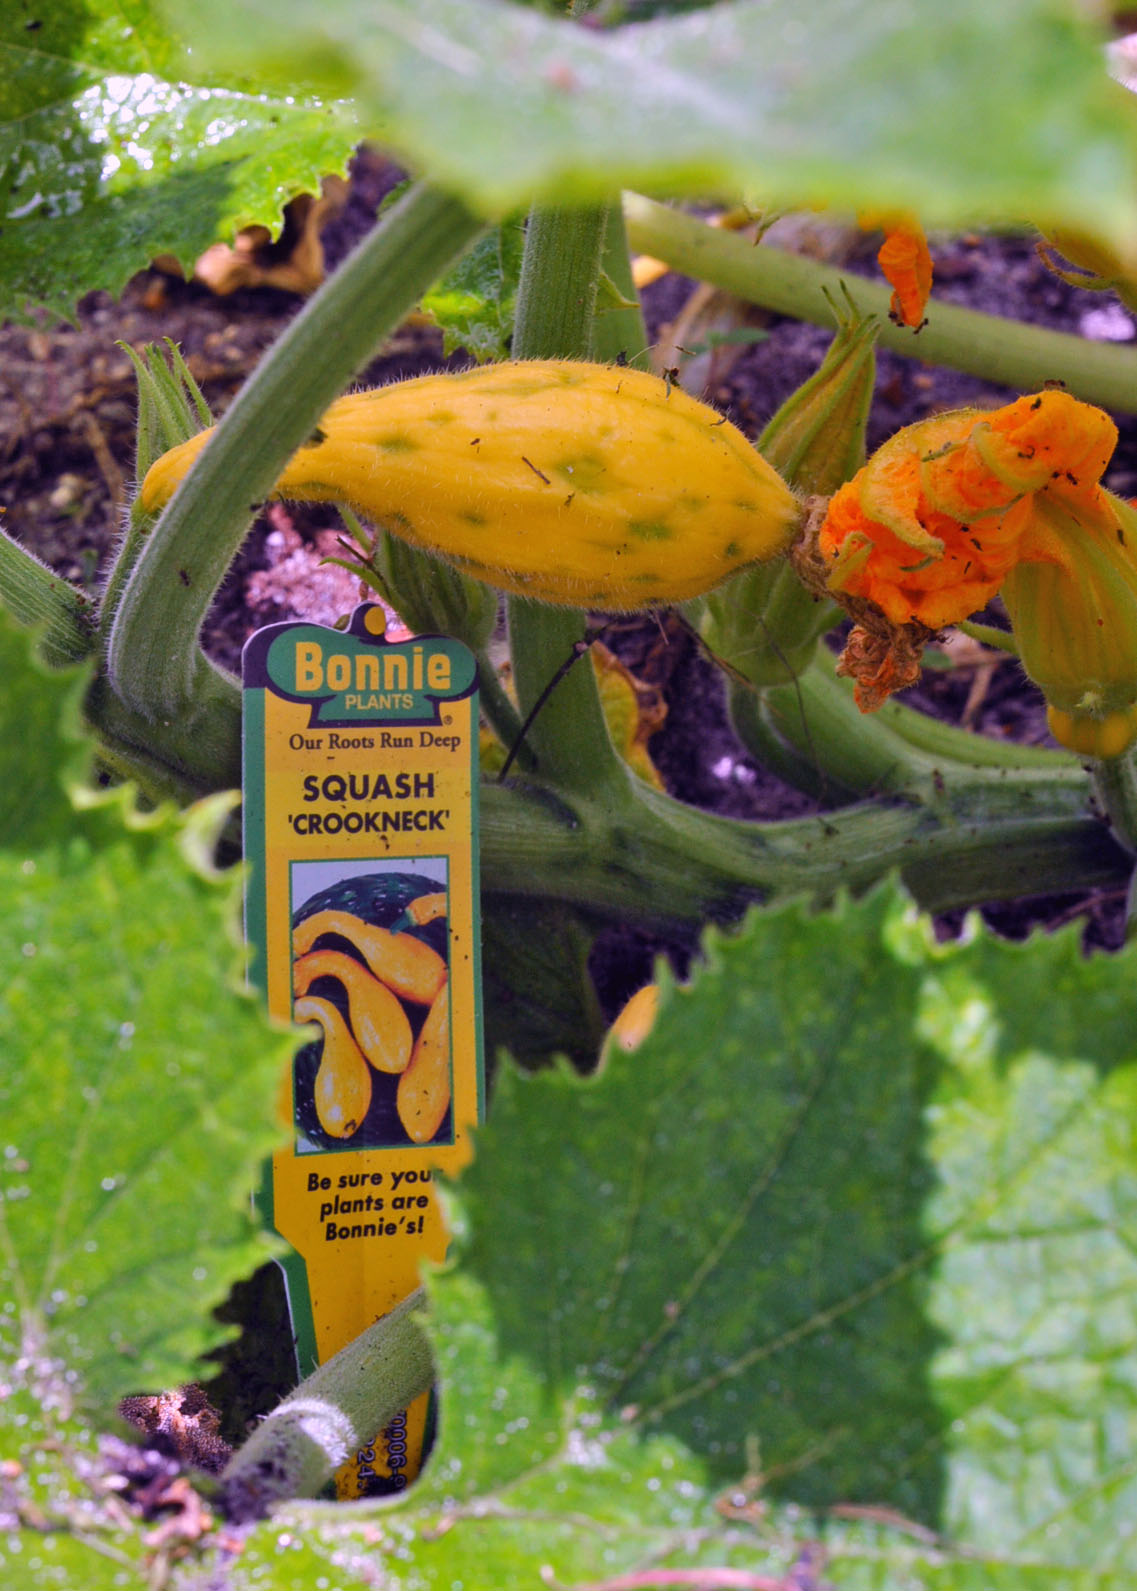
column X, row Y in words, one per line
column 583, row 471
column 650, row 529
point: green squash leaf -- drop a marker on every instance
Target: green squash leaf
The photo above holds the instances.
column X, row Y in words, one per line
column 790, row 101
column 138, row 1076
column 719, row 1256
column 837, row 1273
column 64, row 1523
column 111, row 154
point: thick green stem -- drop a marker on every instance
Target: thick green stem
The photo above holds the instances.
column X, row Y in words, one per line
column 155, row 664
column 556, row 305
column 168, row 761
column 37, row 597
column 337, row 1410
column 499, row 712
column 652, row 861
column 129, row 549
column 1018, row 356
column 619, row 332
column 1115, row 784
column 556, row 296
column 942, row 740
column 812, row 734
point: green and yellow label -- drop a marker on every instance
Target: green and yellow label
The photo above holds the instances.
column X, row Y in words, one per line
column 362, row 912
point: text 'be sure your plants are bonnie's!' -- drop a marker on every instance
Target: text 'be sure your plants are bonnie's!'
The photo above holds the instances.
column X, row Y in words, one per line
column 360, row 785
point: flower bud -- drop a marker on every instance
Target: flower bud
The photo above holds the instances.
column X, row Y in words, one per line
column 171, row 408
column 816, row 440
column 1072, row 601
column 764, row 623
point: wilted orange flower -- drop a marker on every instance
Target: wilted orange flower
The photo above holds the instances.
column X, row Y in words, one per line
column 928, row 529
column 906, row 263
column 907, row 266
column 927, row 532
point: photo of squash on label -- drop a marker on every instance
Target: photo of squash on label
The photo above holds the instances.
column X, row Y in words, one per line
column 370, row 969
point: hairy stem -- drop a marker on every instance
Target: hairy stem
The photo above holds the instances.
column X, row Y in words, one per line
column 652, row 861
column 167, row 758
column 556, row 306
column 155, row 665
column 811, row 733
column 1115, row 783
column 38, row 598
column 499, row 712
column 1018, row 356
column 336, row 1410
column 619, row 332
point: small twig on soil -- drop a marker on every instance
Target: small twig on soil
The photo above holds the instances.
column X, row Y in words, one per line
column 108, row 469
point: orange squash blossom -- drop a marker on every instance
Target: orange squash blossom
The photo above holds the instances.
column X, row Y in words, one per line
column 907, row 267
column 905, row 263
column 927, row 532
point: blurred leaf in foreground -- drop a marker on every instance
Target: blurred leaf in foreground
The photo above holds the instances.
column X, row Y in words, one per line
column 963, row 113
column 136, row 1093
column 840, row 1263
column 108, row 159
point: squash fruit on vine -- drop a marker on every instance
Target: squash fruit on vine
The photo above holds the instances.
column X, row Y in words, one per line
column 572, row 483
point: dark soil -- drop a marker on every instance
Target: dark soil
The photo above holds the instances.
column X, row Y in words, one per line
column 66, row 443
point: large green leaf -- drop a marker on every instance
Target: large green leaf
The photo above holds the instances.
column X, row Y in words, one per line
column 65, row 1526
column 726, row 1250
column 961, row 112
column 116, row 145
column 107, row 160
column 855, row 1228
column 137, row 1075
column 1035, row 1216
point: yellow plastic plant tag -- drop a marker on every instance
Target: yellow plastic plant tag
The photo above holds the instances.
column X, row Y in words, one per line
column 360, row 802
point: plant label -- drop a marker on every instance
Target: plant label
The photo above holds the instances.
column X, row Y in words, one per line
column 360, row 816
